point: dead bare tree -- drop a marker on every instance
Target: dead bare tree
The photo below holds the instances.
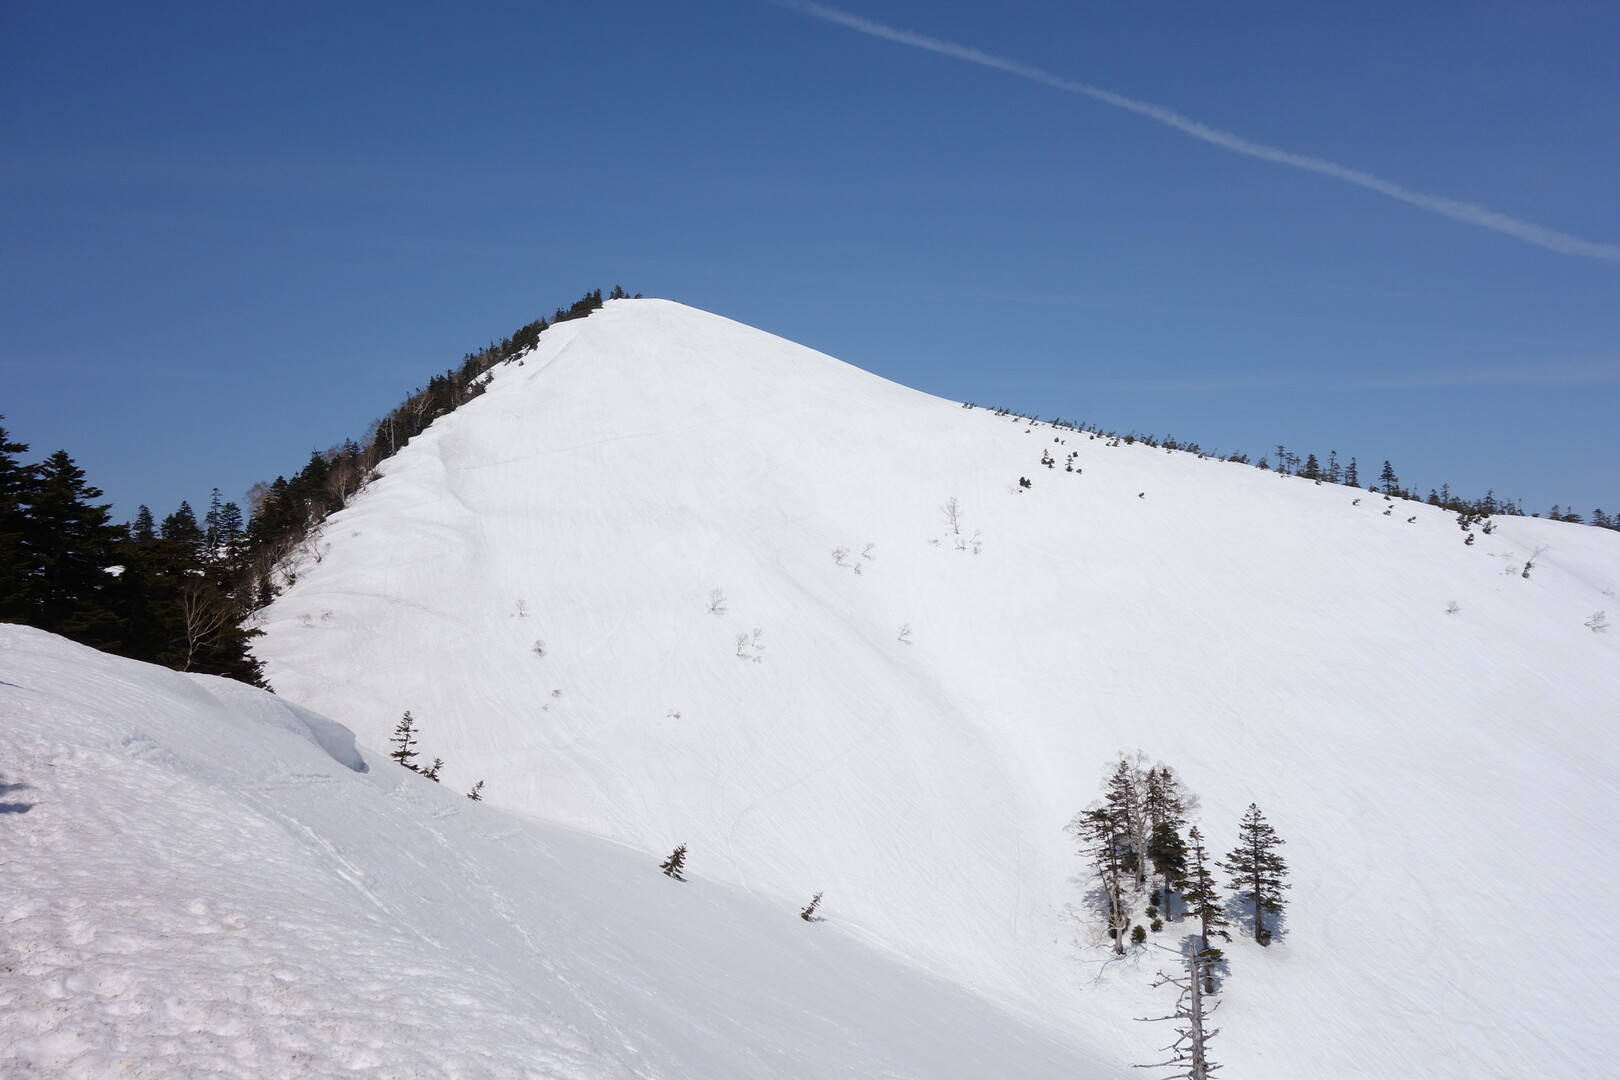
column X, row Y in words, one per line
column 205, row 612
column 1189, row 1054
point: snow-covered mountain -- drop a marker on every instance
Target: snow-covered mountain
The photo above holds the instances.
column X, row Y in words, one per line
column 673, row 580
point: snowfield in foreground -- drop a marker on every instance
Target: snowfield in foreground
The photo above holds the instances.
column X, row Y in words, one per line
column 201, row 880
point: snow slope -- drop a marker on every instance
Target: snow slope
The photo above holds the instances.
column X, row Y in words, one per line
column 1445, row 782
column 201, row 880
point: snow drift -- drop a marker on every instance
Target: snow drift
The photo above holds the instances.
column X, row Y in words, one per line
column 201, row 880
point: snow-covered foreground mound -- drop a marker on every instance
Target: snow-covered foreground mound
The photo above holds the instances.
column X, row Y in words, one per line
column 631, row 588
column 203, row 881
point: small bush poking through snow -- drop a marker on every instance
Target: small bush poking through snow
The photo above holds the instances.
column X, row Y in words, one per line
column 676, row 862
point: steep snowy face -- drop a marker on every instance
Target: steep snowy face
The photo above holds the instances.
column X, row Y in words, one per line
column 673, row 580
column 203, row 880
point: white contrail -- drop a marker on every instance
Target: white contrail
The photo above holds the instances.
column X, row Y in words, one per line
column 1460, row 211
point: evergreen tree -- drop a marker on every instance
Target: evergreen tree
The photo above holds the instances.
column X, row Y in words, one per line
column 232, row 538
column 1123, row 800
column 404, row 741
column 16, row 568
column 1257, row 870
column 147, row 596
column 476, row 794
column 432, row 771
column 211, row 541
column 142, row 530
column 1351, row 478
column 181, row 527
column 1387, row 478
column 808, row 914
column 1204, row 903
column 1166, row 804
column 1106, row 842
column 69, row 542
column 676, row 863
column 1167, row 851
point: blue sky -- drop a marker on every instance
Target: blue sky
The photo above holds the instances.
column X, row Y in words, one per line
column 238, row 233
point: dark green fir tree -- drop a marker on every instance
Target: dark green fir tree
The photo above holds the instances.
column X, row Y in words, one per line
column 1257, row 870
column 1204, row 903
column 69, row 543
column 404, row 741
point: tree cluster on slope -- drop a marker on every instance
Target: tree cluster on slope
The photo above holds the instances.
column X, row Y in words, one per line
column 1141, row 846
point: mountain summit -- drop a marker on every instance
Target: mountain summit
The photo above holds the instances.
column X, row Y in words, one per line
column 673, row 580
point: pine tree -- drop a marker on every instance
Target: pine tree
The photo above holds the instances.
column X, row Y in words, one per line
column 1123, row 799
column 432, row 771
column 142, row 530
column 1106, row 843
column 676, row 863
column 69, row 544
column 1386, row 477
column 211, row 541
column 1257, row 870
column 1167, row 851
column 16, row 486
column 404, row 741
column 809, row 912
column 476, row 794
column 1204, row 903
column 1165, row 804
column 181, row 527
column 1351, row 478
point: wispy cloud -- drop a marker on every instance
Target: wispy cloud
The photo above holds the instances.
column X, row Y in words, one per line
column 1451, row 208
